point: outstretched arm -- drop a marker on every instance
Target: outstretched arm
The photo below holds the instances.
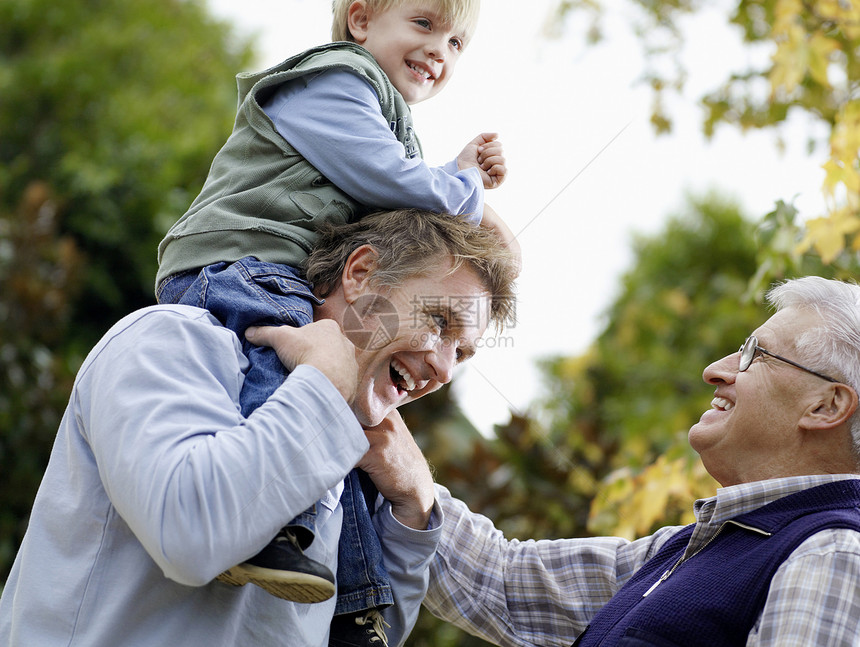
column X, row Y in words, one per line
column 334, row 121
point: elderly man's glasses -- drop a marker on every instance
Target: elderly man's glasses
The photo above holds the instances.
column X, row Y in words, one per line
column 750, row 349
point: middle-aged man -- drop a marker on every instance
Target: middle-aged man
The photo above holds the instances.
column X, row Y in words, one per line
column 773, row 559
column 157, row 483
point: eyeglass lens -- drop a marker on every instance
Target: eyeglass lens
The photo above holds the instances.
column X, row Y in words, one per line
column 747, row 353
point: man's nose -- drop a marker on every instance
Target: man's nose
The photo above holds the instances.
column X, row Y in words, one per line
column 722, row 371
column 442, row 360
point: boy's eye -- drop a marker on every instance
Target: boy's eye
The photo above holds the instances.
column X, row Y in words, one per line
column 456, row 43
column 422, row 22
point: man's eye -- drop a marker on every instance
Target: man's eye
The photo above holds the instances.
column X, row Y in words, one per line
column 440, row 321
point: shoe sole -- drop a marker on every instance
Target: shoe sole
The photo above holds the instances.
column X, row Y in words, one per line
column 292, row 586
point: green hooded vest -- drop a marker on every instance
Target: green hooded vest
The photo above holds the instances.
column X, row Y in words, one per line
column 262, row 198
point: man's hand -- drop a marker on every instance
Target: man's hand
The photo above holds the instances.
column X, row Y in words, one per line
column 320, row 344
column 485, row 153
column 399, row 471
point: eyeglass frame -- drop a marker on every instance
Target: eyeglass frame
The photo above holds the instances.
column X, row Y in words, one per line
column 747, row 357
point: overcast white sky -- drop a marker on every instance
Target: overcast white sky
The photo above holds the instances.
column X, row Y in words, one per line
column 585, row 169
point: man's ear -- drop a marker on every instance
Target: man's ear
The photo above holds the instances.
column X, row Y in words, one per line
column 357, row 272
column 357, row 19
column 837, row 403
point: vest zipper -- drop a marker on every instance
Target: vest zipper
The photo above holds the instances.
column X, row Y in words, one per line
column 666, row 575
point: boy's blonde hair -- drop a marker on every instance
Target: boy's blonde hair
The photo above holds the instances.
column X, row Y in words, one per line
column 463, row 13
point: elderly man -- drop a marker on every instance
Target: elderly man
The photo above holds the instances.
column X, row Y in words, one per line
column 773, row 559
column 157, row 482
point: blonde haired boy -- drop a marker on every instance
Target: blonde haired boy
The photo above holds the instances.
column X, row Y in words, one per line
column 326, row 137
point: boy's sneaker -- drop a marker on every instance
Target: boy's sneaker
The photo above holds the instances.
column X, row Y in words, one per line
column 283, row 570
column 358, row 630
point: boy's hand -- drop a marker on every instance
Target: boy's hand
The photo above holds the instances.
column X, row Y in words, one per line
column 400, row 472
column 492, row 220
column 320, row 344
column 485, row 153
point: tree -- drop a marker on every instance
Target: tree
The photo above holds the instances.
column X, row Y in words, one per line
column 118, row 107
column 110, row 114
column 812, row 68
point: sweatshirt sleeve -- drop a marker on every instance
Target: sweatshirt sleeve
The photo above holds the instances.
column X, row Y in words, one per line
column 407, row 554
column 333, row 119
column 200, row 486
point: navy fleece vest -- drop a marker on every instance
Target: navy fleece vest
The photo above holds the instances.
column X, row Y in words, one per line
column 715, row 597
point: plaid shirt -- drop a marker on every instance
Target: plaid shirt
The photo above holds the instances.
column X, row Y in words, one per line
column 512, row 592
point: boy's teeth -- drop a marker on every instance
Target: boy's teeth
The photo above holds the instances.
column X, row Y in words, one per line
column 722, row 403
column 423, row 73
column 410, row 382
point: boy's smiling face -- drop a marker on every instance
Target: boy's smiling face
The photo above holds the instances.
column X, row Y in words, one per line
column 413, row 44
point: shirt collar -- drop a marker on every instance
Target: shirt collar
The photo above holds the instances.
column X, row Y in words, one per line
column 735, row 500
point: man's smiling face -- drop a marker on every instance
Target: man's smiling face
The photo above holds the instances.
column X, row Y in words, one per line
column 427, row 326
column 749, row 432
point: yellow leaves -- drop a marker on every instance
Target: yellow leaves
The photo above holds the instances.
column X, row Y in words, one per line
column 630, row 506
column 827, row 235
column 845, row 138
column 818, row 54
column 844, row 14
column 798, row 52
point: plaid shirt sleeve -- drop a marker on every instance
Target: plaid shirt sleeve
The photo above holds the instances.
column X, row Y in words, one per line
column 521, row 593
column 813, row 597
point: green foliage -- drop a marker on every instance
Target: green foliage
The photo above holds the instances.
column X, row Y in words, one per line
column 118, row 106
column 110, row 114
column 38, row 281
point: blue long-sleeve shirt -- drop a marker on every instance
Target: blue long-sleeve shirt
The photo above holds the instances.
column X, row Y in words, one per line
column 156, row 484
column 333, row 120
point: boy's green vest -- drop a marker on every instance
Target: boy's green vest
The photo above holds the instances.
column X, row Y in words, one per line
column 262, row 198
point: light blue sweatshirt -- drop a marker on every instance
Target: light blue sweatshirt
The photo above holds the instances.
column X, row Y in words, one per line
column 156, row 484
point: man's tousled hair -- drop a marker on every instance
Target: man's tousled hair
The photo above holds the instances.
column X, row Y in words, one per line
column 411, row 243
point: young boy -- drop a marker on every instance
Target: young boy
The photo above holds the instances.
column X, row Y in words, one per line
column 324, row 137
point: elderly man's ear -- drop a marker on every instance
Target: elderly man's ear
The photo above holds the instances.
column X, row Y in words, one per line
column 836, row 404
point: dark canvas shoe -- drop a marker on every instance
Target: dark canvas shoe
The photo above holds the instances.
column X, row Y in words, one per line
column 358, row 630
column 283, row 570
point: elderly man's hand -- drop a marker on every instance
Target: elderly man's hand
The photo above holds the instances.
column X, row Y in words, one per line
column 320, row 344
column 400, row 471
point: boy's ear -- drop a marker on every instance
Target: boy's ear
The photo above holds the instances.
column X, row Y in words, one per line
column 358, row 272
column 357, row 18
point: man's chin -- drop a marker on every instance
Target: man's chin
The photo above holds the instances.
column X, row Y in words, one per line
column 371, row 416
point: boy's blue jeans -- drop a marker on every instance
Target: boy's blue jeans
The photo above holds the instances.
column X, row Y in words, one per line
column 249, row 293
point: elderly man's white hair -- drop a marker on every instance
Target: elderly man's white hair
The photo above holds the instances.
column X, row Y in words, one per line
column 834, row 347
